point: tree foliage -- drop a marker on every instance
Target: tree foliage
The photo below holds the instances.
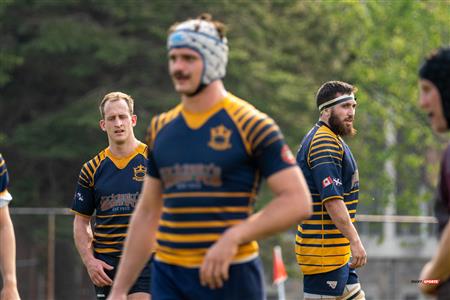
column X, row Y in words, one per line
column 58, row 58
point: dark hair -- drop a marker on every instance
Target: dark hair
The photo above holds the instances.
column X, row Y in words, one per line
column 330, row 89
column 220, row 27
column 436, row 68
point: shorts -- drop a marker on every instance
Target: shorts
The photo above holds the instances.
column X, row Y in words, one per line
column 170, row 282
column 142, row 284
column 330, row 283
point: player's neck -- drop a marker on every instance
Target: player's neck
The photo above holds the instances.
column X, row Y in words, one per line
column 206, row 99
column 125, row 149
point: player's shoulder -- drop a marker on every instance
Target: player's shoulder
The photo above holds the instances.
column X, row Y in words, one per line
column 160, row 121
column 241, row 110
column 325, row 134
column 93, row 163
column 142, row 149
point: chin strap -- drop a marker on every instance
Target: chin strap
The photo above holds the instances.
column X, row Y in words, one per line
column 200, row 88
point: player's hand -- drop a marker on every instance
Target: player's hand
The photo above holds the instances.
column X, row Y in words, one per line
column 9, row 293
column 428, row 289
column 215, row 266
column 96, row 269
column 359, row 256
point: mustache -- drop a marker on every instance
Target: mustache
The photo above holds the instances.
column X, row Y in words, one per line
column 180, row 75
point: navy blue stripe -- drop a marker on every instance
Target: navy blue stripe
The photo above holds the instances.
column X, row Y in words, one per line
column 325, row 153
column 205, row 201
column 261, row 131
column 319, row 236
column 327, row 159
column 318, row 226
column 98, row 244
column 122, row 230
column 109, row 239
column 244, row 126
column 319, row 265
column 204, row 216
column 254, row 126
column 189, row 245
column 191, row 230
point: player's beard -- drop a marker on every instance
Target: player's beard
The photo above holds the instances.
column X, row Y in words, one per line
column 339, row 127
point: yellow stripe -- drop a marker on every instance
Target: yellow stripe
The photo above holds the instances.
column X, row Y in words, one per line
column 188, row 237
column 78, row 213
column 274, row 128
column 352, row 192
column 88, row 170
column 325, row 231
column 110, row 216
column 2, row 163
column 332, row 197
column 106, row 250
column 3, row 172
column 110, row 235
column 207, row 194
column 195, row 261
column 324, row 145
column 206, row 209
column 199, row 224
column 112, row 226
column 326, row 150
column 258, row 128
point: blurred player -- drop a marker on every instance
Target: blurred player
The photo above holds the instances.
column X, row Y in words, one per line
column 327, row 240
column 7, row 240
column 206, row 159
column 109, row 185
column 434, row 88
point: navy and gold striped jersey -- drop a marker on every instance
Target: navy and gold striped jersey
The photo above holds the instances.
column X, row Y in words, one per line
column 110, row 186
column 331, row 173
column 5, row 196
column 210, row 165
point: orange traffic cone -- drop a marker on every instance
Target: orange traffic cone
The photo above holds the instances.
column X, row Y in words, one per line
column 279, row 271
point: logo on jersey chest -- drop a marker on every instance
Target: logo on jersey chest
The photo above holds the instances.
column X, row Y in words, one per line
column 139, row 173
column 220, row 138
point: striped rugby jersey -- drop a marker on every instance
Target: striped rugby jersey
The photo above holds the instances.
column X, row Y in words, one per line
column 110, row 186
column 5, row 196
column 210, row 165
column 331, row 173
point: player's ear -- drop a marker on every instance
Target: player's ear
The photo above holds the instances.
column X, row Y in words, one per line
column 102, row 124
column 133, row 120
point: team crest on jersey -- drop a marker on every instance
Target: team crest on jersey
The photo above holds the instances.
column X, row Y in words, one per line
column 139, row 173
column 220, row 138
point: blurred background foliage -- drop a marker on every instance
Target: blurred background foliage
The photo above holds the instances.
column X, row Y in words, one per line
column 58, row 59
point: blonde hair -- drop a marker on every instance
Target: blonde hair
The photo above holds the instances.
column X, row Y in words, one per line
column 116, row 96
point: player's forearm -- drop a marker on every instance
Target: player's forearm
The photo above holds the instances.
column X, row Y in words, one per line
column 7, row 250
column 138, row 248
column 281, row 213
column 83, row 241
column 341, row 218
column 440, row 264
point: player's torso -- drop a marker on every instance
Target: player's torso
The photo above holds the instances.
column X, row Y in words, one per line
column 211, row 157
column 116, row 189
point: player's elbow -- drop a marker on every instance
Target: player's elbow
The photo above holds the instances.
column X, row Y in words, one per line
column 304, row 205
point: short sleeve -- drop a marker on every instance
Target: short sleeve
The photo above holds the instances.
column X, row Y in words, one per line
column 83, row 200
column 325, row 161
column 269, row 149
column 5, row 196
